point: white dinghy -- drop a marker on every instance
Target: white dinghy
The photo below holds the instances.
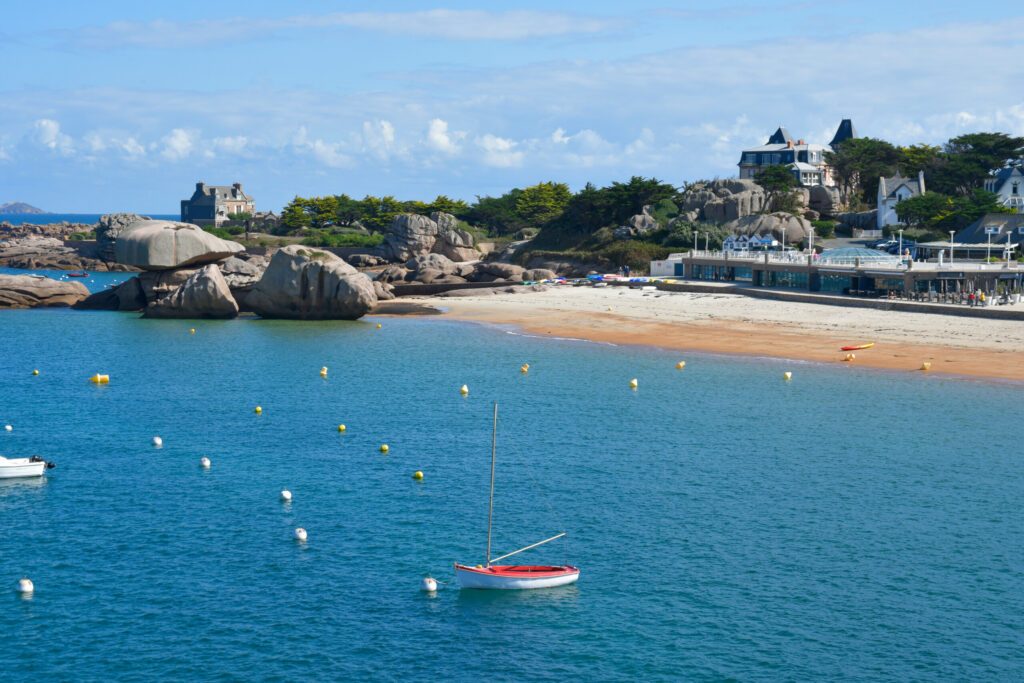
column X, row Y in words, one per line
column 11, row 468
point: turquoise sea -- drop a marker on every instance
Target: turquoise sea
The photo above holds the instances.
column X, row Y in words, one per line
column 850, row 524
column 43, row 218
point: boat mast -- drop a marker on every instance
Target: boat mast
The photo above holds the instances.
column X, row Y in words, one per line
column 490, row 504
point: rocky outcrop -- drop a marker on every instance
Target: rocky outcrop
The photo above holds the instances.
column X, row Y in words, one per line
column 47, row 253
column 109, row 228
column 161, row 245
column 720, row 201
column 158, row 283
column 637, row 226
column 204, row 294
column 432, row 261
column 307, row 284
column 383, row 290
column 410, row 235
column 860, row 220
column 127, row 296
column 493, row 271
column 26, row 291
column 539, row 274
column 487, row 291
column 365, row 260
column 452, row 241
column 827, row 201
column 796, row 228
column 394, row 273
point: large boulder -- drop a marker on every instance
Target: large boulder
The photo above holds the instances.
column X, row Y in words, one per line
column 383, row 290
column 307, row 284
column 26, row 291
column 127, row 296
column 394, row 273
column 795, row 228
column 205, row 294
column 432, row 261
column 109, row 228
column 859, row 220
column 493, row 271
column 243, row 274
column 539, row 274
column 452, row 241
column 36, row 252
column 827, row 201
column 637, row 226
column 161, row 245
column 409, row 235
column 158, row 283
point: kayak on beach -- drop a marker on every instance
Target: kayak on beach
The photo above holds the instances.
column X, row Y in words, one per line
column 857, row 348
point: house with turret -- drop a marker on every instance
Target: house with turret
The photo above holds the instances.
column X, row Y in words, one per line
column 215, row 204
column 805, row 160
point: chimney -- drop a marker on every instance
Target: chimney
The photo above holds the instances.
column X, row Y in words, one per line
column 237, row 186
column 920, row 181
column 789, row 144
column 200, row 186
column 801, row 142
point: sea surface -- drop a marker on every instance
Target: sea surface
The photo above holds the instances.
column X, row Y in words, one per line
column 44, row 218
column 847, row 525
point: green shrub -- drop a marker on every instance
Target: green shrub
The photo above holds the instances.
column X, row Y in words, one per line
column 824, row 229
column 321, row 238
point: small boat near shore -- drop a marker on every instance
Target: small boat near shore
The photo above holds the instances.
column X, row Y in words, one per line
column 12, row 468
column 511, row 577
column 859, row 347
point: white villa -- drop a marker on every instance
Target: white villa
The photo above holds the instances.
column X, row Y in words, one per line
column 892, row 191
column 805, row 160
column 1008, row 183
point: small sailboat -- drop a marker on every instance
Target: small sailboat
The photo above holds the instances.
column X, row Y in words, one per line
column 511, row 577
column 11, row 468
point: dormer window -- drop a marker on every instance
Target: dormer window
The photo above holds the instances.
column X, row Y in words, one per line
column 1016, row 187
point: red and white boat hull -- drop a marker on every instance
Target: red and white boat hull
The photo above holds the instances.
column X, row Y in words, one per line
column 515, row 577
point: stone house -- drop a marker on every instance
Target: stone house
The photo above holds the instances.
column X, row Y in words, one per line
column 1008, row 183
column 892, row 191
column 213, row 204
column 805, row 160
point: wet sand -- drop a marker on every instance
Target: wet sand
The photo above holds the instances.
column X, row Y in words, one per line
column 733, row 324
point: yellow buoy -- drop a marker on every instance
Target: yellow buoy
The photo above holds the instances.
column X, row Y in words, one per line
column 633, row 384
column 524, row 368
column 323, row 371
column 384, row 448
column 926, row 366
column 191, row 330
column 464, row 390
column 417, row 475
column 258, row 410
column 379, row 326
column 680, row 365
column 100, row 379
column 787, row 376
column 342, row 428
column 35, row 372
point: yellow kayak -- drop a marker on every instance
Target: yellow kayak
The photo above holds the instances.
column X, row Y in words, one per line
column 857, row 348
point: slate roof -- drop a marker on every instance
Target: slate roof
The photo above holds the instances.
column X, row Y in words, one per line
column 1008, row 223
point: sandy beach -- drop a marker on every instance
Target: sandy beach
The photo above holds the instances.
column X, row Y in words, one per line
column 728, row 323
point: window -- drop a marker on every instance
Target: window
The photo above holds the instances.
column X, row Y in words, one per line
column 775, row 158
column 1016, row 187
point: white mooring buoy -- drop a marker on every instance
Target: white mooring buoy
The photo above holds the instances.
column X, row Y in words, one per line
column 158, row 442
column 286, row 496
column 8, row 428
column 428, row 585
column 300, row 534
column 204, row 462
column 25, row 586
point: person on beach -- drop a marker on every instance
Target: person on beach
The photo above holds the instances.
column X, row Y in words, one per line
column 970, row 299
column 625, row 270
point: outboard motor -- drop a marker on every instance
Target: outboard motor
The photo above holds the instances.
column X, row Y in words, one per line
column 49, row 465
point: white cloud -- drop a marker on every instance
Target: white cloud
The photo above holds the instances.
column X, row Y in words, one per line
column 127, row 146
column 178, row 144
column 378, row 138
column 49, row 135
column 436, row 24
column 440, row 139
column 232, row 144
column 327, row 153
column 499, row 152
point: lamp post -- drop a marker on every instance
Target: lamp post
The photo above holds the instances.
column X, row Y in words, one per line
column 707, row 240
column 988, row 247
column 810, row 242
column 951, row 247
column 783, row 241
column 900, row 252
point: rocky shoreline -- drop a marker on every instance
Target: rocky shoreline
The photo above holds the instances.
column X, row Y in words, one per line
column 185, row 272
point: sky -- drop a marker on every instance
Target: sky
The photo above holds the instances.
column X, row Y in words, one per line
column 124, row 106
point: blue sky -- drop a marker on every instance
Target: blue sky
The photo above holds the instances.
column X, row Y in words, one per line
column 125, row 105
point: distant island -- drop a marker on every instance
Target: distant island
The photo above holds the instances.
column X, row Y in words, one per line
column 19, row 207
